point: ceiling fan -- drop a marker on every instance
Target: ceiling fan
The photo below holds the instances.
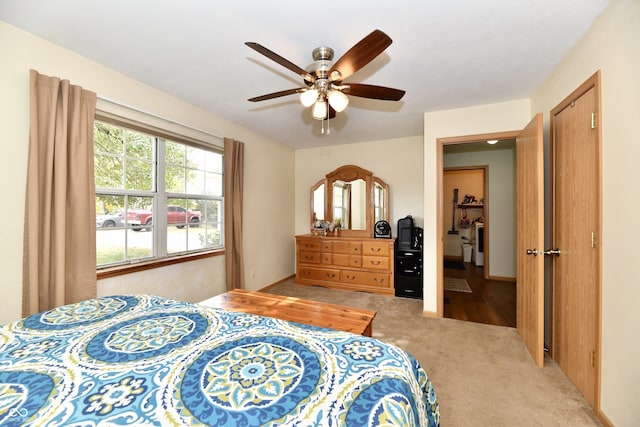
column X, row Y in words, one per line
column 325, row 88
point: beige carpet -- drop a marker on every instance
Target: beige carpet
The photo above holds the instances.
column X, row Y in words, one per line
column 458, row 285
column 482, row 374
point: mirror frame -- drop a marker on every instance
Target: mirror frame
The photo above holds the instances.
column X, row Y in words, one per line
column 349, row 173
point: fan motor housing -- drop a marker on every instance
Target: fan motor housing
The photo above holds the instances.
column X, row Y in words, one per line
column 323, row 61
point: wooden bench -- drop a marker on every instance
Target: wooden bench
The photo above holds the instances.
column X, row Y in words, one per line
column 349, row 319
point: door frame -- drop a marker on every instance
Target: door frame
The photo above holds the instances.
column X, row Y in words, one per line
column 440, row 143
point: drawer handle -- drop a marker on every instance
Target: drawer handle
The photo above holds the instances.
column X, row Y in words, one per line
column 308, row 245
column 308, row 257
column 378, row 280
column 376, row 249
column 375, row 262
column 306, row 273
column 331, row 275
column 350, row 277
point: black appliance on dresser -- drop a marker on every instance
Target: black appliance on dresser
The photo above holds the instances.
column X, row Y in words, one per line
column 408, row 259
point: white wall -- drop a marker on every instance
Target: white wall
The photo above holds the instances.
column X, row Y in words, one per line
column 269, row 189
column 191, row 281
column 612, row 45
column 505, row 116
column 501, row 205
column 398, row 162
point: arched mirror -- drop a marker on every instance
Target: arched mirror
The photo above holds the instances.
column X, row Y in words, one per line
column 353, row 197
column 317, row 202
column 380, row 200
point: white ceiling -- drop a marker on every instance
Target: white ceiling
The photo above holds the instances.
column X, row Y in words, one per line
column 445, row 54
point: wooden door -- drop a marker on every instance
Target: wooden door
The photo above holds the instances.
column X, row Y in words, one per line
column 530, row 238
column 576, row 227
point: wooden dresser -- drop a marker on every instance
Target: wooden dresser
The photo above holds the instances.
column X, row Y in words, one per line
column 351, row 263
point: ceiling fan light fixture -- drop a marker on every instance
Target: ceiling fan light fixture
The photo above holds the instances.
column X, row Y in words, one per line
column 338, row 100
column 308, row 97
column 319, row 111
column 324, row 91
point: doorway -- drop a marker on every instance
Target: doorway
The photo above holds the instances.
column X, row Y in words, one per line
column 487, row 298
column 529, row 229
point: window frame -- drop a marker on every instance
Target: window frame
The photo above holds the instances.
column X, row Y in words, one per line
column 173, row 132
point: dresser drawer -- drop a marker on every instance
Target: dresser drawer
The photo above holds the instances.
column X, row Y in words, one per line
column 366, row 278
column 375, row 262
column 306, row 257
column 379, row 248
column 347, row 247
column 346, row 260
column 313, row 245
column 323, row 274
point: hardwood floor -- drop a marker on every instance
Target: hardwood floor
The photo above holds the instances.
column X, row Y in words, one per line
column 491, row 302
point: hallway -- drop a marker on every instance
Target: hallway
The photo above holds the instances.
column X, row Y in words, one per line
column 491, row 302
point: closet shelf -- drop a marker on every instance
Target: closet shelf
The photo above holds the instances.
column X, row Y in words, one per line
column 471, row 206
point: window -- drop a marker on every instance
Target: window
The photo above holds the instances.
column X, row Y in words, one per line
column 155, row 197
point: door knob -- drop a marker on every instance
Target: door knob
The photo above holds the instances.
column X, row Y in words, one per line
column 555, row 252
column 533, row 252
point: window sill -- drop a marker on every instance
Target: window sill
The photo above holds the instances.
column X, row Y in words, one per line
column 148, row 265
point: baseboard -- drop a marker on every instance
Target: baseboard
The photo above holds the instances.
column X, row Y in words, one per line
column 431, row 314
column 277, row 283
column 502, row 279
column 603, row 418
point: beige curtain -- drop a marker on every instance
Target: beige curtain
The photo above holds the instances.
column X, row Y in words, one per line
column 233, row 184
column 59, row 227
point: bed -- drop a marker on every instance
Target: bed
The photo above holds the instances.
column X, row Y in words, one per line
column 145, row 360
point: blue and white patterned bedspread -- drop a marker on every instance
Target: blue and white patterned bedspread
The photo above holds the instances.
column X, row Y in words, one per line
column 145, row 360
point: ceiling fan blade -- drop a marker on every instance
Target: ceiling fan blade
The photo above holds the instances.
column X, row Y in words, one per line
column 277, row 94
column 373, row 92
column 359, row 55
column 282, row 61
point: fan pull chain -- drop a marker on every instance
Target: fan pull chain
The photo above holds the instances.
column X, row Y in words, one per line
column 328, row 124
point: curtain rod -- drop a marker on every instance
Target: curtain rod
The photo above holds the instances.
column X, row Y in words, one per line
column 173, row 122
